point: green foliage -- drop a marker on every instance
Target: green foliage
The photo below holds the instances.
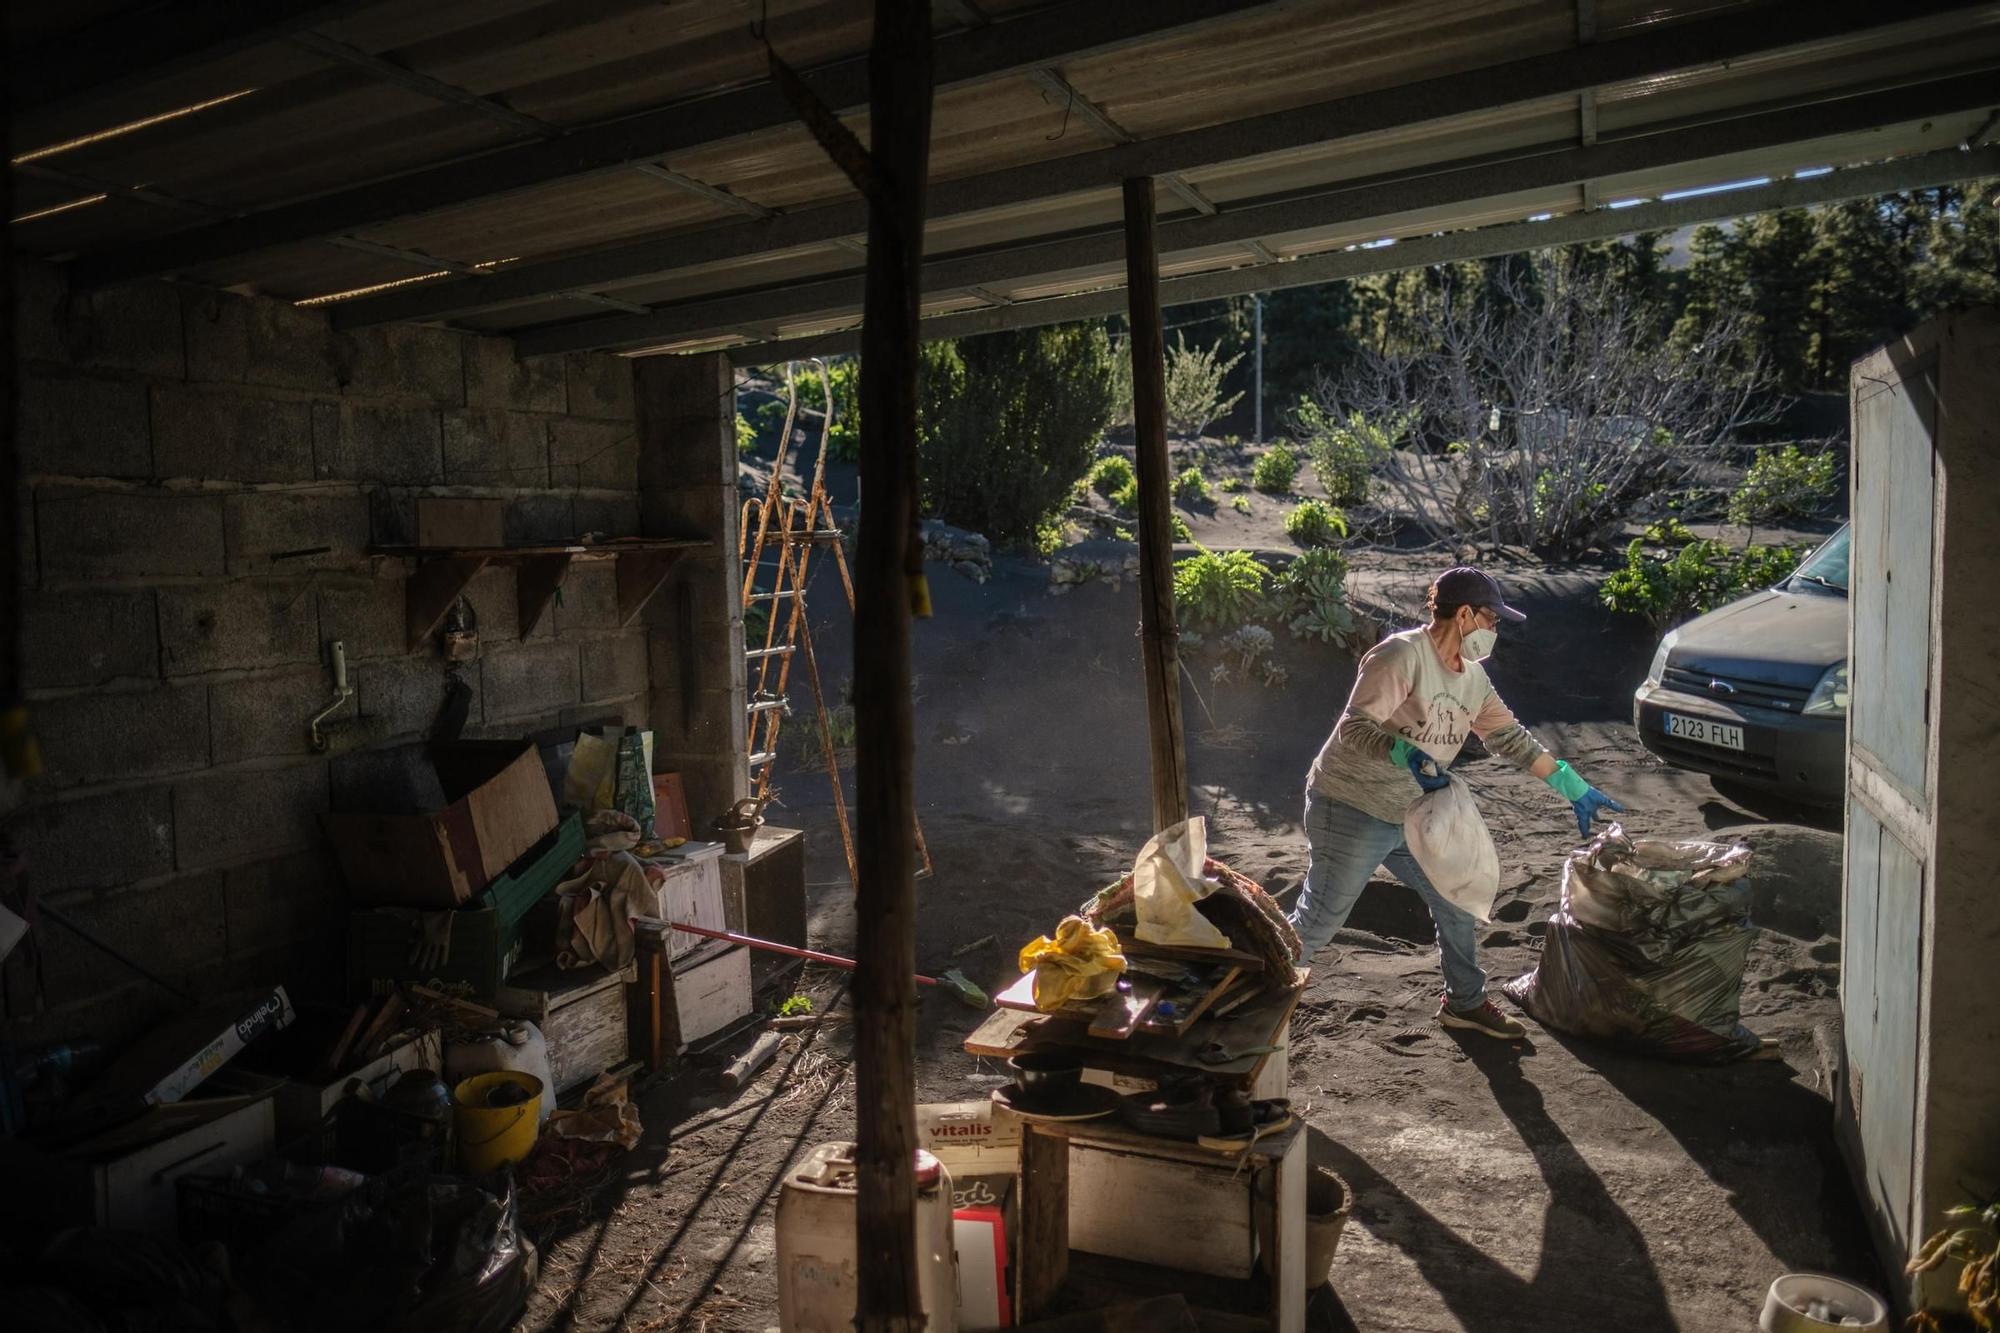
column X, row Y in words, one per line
column 746, row 434
column 843, row 438
column 1110, row 475
column 1344, row 453
column 1784, row 483
column 1051, row 536
column 1215, row 590
column 1311, row 596
column 1824, row 286
column 1126, row 497
column 1190, row 487
column 1669, row 589
column 1194, row 386
column 1011, row 421
column 795, row 1006
column 1668, row 532
column 1275, row 469
column 1315, row 523
column 1231, row 485
column 1182, row 532
column 1241, row 504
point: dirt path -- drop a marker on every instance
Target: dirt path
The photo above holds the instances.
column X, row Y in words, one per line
column 1549, row 1186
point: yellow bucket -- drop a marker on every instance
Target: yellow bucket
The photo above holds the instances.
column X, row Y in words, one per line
column 495, row 1124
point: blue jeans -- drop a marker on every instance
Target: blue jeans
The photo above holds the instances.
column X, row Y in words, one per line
column 1346, row 846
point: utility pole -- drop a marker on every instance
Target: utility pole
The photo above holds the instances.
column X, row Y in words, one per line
column 1257, row 304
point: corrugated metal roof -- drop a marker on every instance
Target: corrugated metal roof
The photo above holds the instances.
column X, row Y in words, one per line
column 309, row 126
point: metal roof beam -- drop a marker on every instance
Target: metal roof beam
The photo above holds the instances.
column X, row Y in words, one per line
column 1010, row 46
column 1563, row 73
column 1750, row 129
column 1910, row 173
column 131, row 49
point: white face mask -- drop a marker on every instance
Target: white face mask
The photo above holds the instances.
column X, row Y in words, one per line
column 1478, row 645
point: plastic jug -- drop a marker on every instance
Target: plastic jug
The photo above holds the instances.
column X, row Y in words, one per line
column 817, row 1289
column 518, row 1046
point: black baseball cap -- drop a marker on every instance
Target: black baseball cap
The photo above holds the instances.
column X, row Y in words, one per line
column 1465, row 586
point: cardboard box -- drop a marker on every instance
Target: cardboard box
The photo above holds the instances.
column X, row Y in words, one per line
column 980, row 1146
column 501, row 806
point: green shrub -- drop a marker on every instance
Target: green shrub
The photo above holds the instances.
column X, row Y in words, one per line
column 795, row 1006
column 1214, row 590
column 1190, row 487
column 1784, row 484
column 1182, row 532
column 1111, row 475
column 1669, row 589
column 1231, row 485
column 1311, row 595
column 1126, row 497
column 1344, row 454
column 1668, row 531
column 1241, row 504
column 1315, row 523
column 746, row 434
column 1010, row 421
column 1194, row 387
column 1275, row 470
column 843, row 438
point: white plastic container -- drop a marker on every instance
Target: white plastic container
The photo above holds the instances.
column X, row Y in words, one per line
column 519, row 1046
column 1818, row 1303
column 816, row 1264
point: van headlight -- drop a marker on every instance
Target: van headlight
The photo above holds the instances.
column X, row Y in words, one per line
column 1829, row 697
column 1659, row 666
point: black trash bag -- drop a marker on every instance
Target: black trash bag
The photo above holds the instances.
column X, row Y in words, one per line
column 1647, row 949
column 437, row 1255
column 90, row 1278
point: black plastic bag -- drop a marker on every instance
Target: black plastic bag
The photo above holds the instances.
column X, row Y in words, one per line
column 1647, row 949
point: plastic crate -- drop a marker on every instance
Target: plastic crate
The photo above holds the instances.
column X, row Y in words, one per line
column 529, row 879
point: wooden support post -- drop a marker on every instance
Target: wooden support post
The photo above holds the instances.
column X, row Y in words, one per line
column 899, row 83
column 1159, row 632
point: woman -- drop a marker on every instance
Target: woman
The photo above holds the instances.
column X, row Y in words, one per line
column 1416, row 697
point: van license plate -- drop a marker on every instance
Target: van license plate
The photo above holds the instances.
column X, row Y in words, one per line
column 1704, row 732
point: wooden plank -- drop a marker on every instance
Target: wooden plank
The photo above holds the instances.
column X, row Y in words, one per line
column 1008, row 1032
column 430, row 592
column 1120, row 1013
column 1288, row 1288
column 535, row 588
column 1138, row 951
column 1195, row 1007
column 1043, row 1261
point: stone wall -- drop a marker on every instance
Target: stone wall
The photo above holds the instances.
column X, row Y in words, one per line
column 204, row 475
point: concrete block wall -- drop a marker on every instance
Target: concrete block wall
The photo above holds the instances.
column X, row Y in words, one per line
column 204, row 474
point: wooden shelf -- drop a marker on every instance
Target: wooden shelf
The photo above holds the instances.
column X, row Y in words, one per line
column 443, row 573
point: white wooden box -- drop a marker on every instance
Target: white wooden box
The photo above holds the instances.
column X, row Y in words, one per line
column 1171, row 1213
column 711, row 990
column 692, row 894
column 127, row 1178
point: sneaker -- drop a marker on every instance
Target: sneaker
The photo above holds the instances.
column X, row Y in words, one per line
column 1487, row 1018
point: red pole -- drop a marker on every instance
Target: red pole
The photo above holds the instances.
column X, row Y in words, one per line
column 773, row 946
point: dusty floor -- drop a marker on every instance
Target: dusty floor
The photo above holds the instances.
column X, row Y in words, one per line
column 1550, row 1185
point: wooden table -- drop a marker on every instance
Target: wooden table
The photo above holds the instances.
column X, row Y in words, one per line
column 1043, row 1258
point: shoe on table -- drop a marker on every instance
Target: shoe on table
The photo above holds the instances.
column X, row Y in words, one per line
column 1486, row 1019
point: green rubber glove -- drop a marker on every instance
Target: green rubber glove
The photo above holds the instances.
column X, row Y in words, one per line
column 1583, row 798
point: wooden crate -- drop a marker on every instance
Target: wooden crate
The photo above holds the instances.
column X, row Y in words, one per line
column 581, row 1014
column 711, row 991
column 764, row 894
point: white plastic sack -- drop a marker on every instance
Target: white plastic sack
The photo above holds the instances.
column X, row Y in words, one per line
column 1450, row 841
column 1167, row 882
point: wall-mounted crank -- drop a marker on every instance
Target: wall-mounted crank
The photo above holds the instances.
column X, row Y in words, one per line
column 342, row 692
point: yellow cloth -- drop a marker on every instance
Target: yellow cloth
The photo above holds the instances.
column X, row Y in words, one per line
column 1078, row 964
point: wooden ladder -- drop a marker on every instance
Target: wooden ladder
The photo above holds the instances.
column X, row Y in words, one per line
column 796, row 528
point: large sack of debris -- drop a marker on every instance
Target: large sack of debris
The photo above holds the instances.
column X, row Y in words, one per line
column 1647, row 948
